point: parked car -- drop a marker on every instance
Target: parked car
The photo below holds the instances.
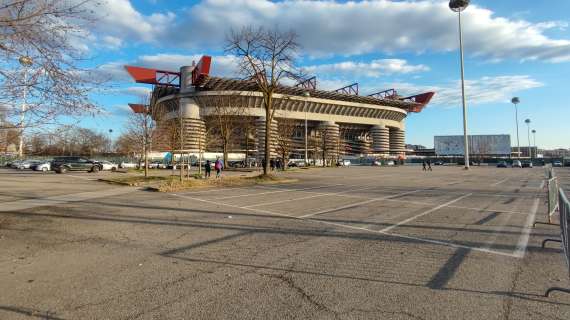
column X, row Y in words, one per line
column 344, row 163
column 517, row 164
column 43, row 166
column 376, row 163
column 64, row 164
column 15, row 164
column 125, row 165
column 108, row 165
column 527, row 164
column 557, row 164
column 438, row 163
column 390, row 163
column 27, row 164
column 502, row 164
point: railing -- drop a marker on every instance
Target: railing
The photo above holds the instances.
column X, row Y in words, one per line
column 557, row 200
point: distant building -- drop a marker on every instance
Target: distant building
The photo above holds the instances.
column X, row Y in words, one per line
column 479, row 145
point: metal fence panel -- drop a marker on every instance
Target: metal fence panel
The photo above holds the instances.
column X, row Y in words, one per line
column 552, row 185
column 565, row 225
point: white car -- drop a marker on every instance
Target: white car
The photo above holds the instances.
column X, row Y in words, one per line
column 128, row 165
column 43, row 166
column 28, row 164
column 108, row 165
column 390, row 163
column 345, row 163
column 517, row 164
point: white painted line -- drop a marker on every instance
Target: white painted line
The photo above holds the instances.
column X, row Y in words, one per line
column 55, row 200
column 232, row 206
column 523, row 240
column 358, row 204
column 424, row 213
column 278, row 191
column 307, row 197
column 499, row 182
column 437, row 242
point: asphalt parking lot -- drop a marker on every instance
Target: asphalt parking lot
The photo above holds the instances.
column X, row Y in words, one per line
column 342, row 243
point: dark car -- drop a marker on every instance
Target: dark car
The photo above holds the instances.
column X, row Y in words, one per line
column 527, row 164
column 502, row 164
column 439, row 163
column 64, row 164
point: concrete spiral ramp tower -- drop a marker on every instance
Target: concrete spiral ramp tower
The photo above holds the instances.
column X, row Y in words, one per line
column 380, row 139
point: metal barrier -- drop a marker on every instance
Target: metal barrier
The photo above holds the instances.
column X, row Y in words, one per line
column 552, row 186
column 564, row 236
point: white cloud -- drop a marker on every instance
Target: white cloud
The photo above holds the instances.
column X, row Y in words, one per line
column 374, row 68
column 479, row 91
column 353, row 28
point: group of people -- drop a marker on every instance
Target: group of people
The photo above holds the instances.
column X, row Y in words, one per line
column 426, row 165
column 218, row 166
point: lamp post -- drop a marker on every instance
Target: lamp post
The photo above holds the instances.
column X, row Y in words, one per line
column 527, row 121
column 516, row 101
column 458, row 6
column 306, row 94
column 534, row 142
column 26, row 62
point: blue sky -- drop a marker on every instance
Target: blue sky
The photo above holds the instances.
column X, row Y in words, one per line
column 512, row 48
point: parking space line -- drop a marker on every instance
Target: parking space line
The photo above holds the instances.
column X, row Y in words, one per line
column 499, row 182
column 324, row 194
column 523, row 240
column 358, row 204
column 277, row 191
column 425, row 213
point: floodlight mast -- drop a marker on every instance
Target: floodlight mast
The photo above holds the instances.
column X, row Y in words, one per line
column 516, row 101
column 458, row 6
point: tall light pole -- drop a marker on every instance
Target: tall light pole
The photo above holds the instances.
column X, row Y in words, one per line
column 516, row 101
column 534, row 142
column 26, row 62
column 306, row 94
column 458, row 6
column 527, row 121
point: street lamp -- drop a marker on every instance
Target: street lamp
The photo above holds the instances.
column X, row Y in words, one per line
column 458, row 6
column 527, row 121
column 26, row 62
column 306, row 94
column 534, row 139
column 516, row 101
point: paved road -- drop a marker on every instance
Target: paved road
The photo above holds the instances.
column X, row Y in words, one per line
column 346, row 243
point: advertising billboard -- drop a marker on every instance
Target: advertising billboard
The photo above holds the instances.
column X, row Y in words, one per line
column 499, row 144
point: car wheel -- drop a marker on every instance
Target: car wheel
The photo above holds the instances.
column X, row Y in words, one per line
column 95, row 169
column 62, row 170
column 114, row 169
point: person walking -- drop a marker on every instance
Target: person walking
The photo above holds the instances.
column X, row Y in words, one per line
column 424, row 165
column 208, row 169
column 219, row 166
column 429, row 165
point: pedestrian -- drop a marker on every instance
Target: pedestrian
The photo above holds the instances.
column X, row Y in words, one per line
column 219, row 166
column 424, row 165
column 208, row 169
column 429, row 165
column 272, row 164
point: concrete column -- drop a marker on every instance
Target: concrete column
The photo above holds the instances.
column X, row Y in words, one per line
column 380, row 139
column 331, row 133
column 193, row 128
column 260, row 141
column 397, row 140
column 186, row 79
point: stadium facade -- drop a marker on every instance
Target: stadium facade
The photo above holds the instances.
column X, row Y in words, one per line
column 339, row 122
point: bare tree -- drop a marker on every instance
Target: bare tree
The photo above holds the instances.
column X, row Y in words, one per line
column 287, row 128
column 40, row 53
column 139, row 130
column 224, row 121
column 267, row 57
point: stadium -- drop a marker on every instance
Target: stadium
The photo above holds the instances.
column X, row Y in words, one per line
column 324, row 124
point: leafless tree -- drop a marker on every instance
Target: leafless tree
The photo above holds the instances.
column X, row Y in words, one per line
column 40, row 52
column 267, row 57
column 224, row 121
column 287, row 128
column 139, row 130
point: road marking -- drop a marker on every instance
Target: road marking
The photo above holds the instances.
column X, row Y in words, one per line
column 523, row 240
column 55, row 200
column 278, row 191
column 324, row 194
column 449, row 244
column 358, row 204
column 499, row 182
column 424, row 213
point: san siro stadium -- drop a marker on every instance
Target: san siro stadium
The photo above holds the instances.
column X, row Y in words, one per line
column 324, row 125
